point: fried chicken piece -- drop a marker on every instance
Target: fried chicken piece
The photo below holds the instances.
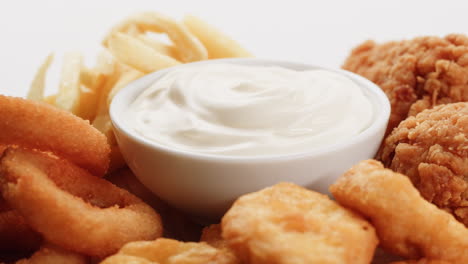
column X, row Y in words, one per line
column 406, row 224
column 415, row 74
column 432, row 150
column 286, row 224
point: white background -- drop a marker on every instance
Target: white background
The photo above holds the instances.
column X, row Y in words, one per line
column 315, row 32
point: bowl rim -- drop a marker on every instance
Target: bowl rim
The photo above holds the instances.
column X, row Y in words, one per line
column 122, row 98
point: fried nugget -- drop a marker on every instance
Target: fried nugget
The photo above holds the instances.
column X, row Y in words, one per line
column 290, row 224
column 424, row 261
column 415, row 74
column 406, row 224
column 432, row 150
column 168, row 251
column 54, row 255
column 213, row 236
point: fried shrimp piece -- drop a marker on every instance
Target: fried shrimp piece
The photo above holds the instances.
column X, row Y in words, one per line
column 41, row 126
column 54, row 255
column 415, row 74
column 406, row 224
column 72, row 208
column 286, row 223
column 168, row 251
column 213, row 236
column 432, row 150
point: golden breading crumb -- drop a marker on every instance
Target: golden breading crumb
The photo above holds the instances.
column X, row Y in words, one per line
column 424, row 261
column 406, row 224
column 432, row 150
column 169, row 251
column 286, row 223
column 415, row 74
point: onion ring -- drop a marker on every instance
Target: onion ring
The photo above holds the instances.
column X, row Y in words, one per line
column 15, row 234
column 176, row 224
column 2, row 148
column 72, row 208
column 41, row 126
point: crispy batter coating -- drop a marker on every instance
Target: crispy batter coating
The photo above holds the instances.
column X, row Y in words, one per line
column 415, row 74
column 213, row 236
column 2, row 148
column 176, row 224
column 168, row 251
column 54, row 255
column 15, row 234
column 286, row 223
column 41, row 126
column 407, row 225
column 424, row 261
column 432, row 150
column 72, row 208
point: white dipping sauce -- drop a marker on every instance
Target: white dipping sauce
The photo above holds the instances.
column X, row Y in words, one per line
column 239, row 110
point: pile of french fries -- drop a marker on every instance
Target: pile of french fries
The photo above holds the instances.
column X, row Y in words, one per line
column 130, row 50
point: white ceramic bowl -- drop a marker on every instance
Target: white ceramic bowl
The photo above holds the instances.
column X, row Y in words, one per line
column 205, row 185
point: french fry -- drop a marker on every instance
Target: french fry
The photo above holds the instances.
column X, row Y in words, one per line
column 166, row 49
column 125, row 78
column 188, row 46
column 138, row 55
column 88, row 77
column 218, row 44
column 102, row 107
column 130, row 51
column 88, row 102
column 50, row 99
column 36, row 91
column 68, row 97
column 103, row 123
column 117, row 161
column 105, row 63
column 92, row 82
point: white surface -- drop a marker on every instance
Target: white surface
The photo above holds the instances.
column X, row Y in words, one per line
column 316, row 32
column 206, row 184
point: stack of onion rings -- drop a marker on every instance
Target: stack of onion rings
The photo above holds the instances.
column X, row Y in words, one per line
column 50, row 187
